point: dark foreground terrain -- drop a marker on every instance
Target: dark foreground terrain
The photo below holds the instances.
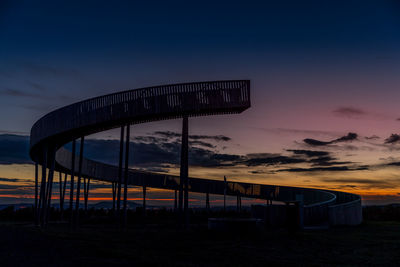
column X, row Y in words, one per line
column 22, row 244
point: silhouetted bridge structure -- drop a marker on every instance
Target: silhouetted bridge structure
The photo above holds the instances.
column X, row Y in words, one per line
column 122, row 109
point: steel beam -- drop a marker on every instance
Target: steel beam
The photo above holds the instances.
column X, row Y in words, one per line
column 207, row 201
column 71, row 189
column 114, row 195
column 86, row 192
column 36, row 193
column 225, row 189
column 184, row 181
column 176, row 200
column 126, row 174
column 121, row 155
column 78, row 185
column 144, row 200
column 42, row 202
column 62, row 185
column 52, row 160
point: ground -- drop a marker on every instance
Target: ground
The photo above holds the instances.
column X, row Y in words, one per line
column 22, row 244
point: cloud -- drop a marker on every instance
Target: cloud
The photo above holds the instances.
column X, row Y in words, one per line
column 348, row 137
column 394, row 138
column 201, row 143
column 309, row 153
column 218, row 138
column 349, row 112
column 313, row 142
column 36, row 86
column 171, row 135
column 14, row 149
column 17, row 93
column 353, row 181
column 43, row 70
column 373, row 137
column 272, row 160
column 158, row 152
column 10, row 180
column 364, row 183
column 322, row 169
column 397, row 163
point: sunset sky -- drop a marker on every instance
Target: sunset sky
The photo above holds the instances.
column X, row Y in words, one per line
column 325, row 93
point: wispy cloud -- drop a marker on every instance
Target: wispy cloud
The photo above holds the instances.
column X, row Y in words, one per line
column 17, row 93
column 170, row 135
column 314, row 142
column 349, row 112
column 323, row 169
column 394, row 138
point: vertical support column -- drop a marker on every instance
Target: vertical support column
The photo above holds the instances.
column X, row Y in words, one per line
column 144, row 200
column 87, row 185
column 78, row 184
column 114, row 195
column 84, row 194
column 36, row 193
column 121, row 154
column 126, row 174
column 184, row 169
column 71, row 190
column 239, row 202
column 208, row 201
column 64, row 186
column 43, row 186
column 50, row 183
column 60, row 183
column 176, row 200
column 225, row 194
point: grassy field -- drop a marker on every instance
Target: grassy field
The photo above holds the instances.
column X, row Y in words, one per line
column 372, row 243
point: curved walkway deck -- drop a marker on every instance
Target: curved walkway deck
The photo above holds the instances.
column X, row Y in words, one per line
column 54, row 130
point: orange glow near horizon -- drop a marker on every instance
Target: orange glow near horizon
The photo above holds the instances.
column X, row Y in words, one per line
column 384, row 191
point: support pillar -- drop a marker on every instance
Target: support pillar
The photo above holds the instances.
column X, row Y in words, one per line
column 35, row 210
column 43, row 187
column 52, row 160
column 78, row 184
column 144, row 200
column 225, row 184
column 63, row 186
column 238, row 203
column 86, row 192
column 71, row 190
column 121, row 154
column 114, row 195
column 184, row 182
column 126, row 174
column 208, row 202
column 176, row 200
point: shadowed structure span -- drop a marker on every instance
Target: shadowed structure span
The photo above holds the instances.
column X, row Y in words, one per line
column 50, row 133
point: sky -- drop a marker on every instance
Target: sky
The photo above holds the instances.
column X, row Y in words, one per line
column 324, row 86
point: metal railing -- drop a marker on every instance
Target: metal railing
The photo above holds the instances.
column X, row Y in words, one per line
column 143, row 105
